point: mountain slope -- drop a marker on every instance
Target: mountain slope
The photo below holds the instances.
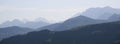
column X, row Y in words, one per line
column 106, row 33
column 90, row 16
column 12, row 31
column 35, row 25
column 115, row 17
column 73, row 22
column 78, row 21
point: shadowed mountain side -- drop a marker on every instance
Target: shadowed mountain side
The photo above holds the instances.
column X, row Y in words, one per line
column 90, row 16
column 105, row 33
column 12, row 31
column 78, row 21
column 73, row 22
column 51, row 27
column 115, row 17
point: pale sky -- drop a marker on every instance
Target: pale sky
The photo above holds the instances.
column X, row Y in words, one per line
column 52, row 10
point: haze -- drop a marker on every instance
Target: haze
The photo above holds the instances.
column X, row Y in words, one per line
column 52, row 10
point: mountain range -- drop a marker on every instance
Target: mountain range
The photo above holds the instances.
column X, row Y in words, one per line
column 94, row 26
column 28, row 24
column 17, row 27
column 90, row 16
column 104, row 33
column 102, row 13
column 74, row 22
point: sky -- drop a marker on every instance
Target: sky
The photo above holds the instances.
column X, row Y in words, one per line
column 52, row 10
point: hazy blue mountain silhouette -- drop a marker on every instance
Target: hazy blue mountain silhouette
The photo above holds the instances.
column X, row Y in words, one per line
column 52, row 27
column 15, row 22
column 105, row 33
column 90, row 16
column 73, row 22
column 115, row 17
column 35, row 24
column 102, row 13
column 78, row 21
column 28, row 24
column 12, row 31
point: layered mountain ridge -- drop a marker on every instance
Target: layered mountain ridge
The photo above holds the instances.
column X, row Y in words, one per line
column 94, row 26
column 12, row 31
column 90, row 16
column 28, row 24
column 105, row 33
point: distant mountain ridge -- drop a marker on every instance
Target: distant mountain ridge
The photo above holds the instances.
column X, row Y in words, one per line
column 29, row 24
column 17, row 27
column 78, row 21
column 102, row 13
column 90, row 16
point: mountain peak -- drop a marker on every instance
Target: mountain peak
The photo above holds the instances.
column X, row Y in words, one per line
column 100, row 13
